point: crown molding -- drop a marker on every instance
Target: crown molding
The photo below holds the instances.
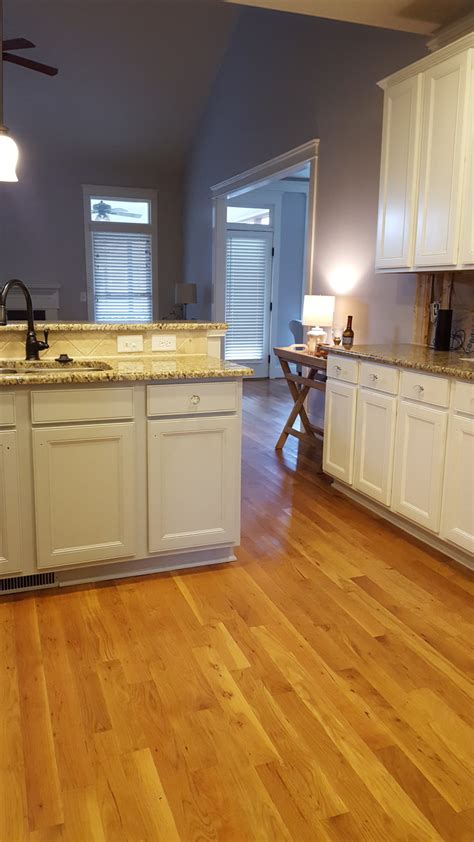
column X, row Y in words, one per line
column 446, row 34
column 423, row 64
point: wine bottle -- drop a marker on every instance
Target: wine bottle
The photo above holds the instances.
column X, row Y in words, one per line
column 348, row 335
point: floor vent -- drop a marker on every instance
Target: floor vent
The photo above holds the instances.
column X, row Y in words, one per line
column 27, row 583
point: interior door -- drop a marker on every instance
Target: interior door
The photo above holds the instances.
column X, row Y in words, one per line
column 249, row 263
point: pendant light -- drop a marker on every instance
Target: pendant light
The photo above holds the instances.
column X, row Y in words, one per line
column 8, row 147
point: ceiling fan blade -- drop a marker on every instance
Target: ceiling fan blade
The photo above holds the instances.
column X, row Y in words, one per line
column 31, row 65
column 17, row 44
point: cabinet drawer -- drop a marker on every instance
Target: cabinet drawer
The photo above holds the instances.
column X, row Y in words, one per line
column 382, row 378
column 464, row 397
column 343, row 369
column 425, row 388
column 81, row 405
column 191, row 398
column 7, row 410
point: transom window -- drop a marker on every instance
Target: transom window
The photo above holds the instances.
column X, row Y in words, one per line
column 248, row 216
column 120, row 228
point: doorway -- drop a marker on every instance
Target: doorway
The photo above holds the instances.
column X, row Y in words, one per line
column 263, row 254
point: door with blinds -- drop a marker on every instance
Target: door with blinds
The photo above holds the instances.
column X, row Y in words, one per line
column 247, row 298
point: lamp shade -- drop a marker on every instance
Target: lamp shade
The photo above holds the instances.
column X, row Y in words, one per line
column 318, row 310
column 8, row 156
column 186, row 294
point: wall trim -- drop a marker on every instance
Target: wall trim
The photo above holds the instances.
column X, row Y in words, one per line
column 259, row 175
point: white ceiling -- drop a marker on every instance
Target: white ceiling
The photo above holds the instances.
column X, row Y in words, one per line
column 422, row 16
column 134, row 76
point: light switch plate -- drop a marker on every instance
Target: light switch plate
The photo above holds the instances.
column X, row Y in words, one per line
column 163, row 342
column 129, row 344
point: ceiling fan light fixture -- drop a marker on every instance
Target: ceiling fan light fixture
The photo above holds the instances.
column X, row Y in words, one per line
column 8, row 156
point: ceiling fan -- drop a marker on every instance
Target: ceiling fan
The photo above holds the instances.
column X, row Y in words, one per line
column 104, row 211
column 23, row 44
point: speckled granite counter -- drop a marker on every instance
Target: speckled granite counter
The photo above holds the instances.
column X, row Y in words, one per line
column 142, row 327
column 415, row 356
column 121, row 369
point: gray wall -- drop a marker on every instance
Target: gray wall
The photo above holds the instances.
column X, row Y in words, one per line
column 286, row 79
column 42, row 225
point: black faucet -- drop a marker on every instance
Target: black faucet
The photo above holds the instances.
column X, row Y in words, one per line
column 33, row 345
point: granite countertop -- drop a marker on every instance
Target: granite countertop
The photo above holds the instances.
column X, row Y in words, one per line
column 415, row 356
column 118, row 369
column 108, row 328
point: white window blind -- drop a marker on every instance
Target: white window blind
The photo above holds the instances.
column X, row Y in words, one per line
column 122, row 275
column 248, row 268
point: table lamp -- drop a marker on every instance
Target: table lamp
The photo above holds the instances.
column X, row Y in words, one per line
column 185, row 294
column 318, row 312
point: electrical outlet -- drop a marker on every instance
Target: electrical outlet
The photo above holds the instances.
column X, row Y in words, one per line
column 163, row 342
column 83, row 297
column 129, row 344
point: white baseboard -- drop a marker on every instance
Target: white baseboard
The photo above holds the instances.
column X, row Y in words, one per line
column 417, row 531
column 144, row 567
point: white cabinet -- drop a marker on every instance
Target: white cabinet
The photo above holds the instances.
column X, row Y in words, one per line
column 442, row 162
column 84, row 493
column 374, row 444
column 400, row 150
column 458, row 503
column 425, row 218
column 339, row 430
column 193, row 482
column 419, row 463
column 10, row 541
column 467, row 253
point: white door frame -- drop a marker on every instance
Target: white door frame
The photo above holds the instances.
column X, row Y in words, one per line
column 260, row 176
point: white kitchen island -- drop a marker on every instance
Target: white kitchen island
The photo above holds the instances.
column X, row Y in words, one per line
column 125, row 470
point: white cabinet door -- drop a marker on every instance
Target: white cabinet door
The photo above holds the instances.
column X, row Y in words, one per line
column 84, row 493
column 339, row 430
column 10, row 550
column 467, row 250
column 193, row 483
column 375, row 439
column 457, row 523
column 443, row 147
column 398, row 174
column 419, row 463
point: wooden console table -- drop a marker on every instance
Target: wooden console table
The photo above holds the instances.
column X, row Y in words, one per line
column 299, row 386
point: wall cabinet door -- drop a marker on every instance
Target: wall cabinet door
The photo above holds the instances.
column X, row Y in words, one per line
column 375, row 440
column 467, row 251
column 398, row 174
column 443, row 145
column 84, row 493
column 419, row 463
column 193, row 483
column 458, row 498
column 10, row 527
column 339, row 430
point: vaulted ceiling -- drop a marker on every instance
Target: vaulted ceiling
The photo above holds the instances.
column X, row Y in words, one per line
column 422, row 16
column 134, row 75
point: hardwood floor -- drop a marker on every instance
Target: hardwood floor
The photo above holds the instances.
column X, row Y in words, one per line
column 317, row 690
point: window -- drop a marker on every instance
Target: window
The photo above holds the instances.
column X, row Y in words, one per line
column 248, row 216
column 120, row 227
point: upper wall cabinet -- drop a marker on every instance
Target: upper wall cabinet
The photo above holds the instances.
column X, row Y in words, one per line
column 467, row 247
column 397, row 200
column 425, row 204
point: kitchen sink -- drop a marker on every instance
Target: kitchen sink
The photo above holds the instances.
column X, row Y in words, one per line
column 46, row 367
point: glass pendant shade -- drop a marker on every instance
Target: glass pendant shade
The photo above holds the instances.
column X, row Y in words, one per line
column 8, row 156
